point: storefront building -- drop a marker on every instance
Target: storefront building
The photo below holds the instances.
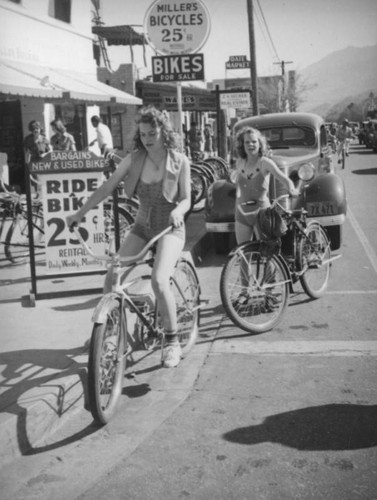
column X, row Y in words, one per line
column 48, row 71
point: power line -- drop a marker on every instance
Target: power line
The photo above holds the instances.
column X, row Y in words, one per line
column 268, row 31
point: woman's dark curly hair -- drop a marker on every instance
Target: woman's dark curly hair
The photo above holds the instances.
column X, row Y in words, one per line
column 155, row 118
column 240, row 146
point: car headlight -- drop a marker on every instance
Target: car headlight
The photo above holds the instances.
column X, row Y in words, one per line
column 306, row 172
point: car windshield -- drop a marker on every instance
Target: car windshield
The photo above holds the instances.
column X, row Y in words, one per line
column 287, row 137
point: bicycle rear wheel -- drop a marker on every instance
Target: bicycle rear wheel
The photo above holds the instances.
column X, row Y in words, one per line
column 106, row 364
column 186, row 289
column 254, row 289
column 314, row 254
column 16, row 246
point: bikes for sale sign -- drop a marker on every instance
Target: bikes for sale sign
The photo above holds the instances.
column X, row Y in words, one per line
column 68, row 179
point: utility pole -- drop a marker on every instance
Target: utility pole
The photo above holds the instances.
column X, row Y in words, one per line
column 253, row 62
column 282, row 64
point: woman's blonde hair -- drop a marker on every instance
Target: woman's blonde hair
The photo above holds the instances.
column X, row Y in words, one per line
column 240, row 138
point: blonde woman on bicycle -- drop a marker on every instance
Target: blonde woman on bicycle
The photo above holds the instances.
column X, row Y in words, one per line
column 254, row 169
column 160, row 176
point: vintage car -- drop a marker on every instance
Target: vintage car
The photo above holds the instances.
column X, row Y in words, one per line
column 299, row 146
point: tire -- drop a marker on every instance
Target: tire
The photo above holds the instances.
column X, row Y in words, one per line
column 126, row 221
column 334, row 234
column 254, row 289
column 16, row 245
column 186, row 290
column 313, row 250
column 221, row 242
column 106, row 364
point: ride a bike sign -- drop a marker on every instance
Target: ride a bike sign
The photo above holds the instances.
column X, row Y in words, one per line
column 176, row 27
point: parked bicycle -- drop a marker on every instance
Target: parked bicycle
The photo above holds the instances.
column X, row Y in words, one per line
column 112, row 340
column 14, row 220
column 259, row 275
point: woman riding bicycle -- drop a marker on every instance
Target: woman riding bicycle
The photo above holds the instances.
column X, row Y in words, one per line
column 160, row 176
column 254, row 169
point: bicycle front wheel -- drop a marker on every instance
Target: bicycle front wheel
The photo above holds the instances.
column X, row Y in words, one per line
column 106, row 364
column 186, row 289
column 314, row 256
column 254, row 289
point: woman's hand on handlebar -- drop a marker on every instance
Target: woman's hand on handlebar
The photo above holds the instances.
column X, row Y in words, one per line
column 73, row 220
column 176, row 218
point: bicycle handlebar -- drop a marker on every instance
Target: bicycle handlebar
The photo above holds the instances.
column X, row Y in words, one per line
column 125, row 260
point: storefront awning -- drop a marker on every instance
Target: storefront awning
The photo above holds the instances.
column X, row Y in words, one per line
column 30, row 80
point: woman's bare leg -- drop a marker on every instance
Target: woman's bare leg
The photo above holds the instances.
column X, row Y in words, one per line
column 169, row 249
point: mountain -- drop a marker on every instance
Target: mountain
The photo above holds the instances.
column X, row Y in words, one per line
column 345, row 77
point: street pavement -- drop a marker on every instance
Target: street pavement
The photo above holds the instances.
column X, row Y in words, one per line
column 282, row 416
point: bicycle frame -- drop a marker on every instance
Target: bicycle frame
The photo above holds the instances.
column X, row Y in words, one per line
column 119, row 291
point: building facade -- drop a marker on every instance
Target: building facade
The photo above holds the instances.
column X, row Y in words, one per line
column 48, row 71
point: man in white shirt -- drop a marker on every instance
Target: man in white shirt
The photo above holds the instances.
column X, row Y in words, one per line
column 104, row 137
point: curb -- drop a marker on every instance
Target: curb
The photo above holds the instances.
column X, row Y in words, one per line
column 41, row 411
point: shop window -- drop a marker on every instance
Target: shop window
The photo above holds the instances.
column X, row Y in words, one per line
column 116, row 128
column 60, row 9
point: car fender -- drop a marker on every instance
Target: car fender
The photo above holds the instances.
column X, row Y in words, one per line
column 220, row 201
column 103, row 307
column 327, row 188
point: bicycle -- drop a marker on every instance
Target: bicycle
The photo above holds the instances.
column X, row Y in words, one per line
column 14, row 209
column 259, row 275
column 112, row 341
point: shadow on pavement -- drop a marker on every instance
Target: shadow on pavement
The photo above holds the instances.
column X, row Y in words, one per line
column 328, row 427
column 365, row 171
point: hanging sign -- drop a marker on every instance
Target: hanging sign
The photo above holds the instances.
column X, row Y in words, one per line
column 176, row 27
column 235, row 100
column 178, row 68
column 63, row 195
column 237, row 62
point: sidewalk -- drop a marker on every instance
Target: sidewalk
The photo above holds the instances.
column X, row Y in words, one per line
column 43, row 356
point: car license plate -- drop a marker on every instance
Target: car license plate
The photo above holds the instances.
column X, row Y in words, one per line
column 321, row 208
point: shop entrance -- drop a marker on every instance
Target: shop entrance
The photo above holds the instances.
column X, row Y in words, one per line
column 11, row 142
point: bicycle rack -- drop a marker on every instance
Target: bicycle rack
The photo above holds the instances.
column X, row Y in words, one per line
column 34, row 293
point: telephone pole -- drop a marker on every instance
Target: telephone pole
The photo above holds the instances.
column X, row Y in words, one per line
column 282, row 64
column 253, row 62
column 285, row 104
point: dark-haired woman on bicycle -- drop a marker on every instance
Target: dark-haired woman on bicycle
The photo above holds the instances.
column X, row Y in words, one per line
column 160, row 175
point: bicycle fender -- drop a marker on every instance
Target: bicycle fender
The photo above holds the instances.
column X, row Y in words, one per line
column 250, row 245
column 100, row 312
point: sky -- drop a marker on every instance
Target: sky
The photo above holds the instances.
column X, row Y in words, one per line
column 299, row 31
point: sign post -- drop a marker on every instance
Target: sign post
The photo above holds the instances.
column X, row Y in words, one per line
column 172, row 29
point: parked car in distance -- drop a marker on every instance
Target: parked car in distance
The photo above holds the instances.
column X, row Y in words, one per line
column 300, row 148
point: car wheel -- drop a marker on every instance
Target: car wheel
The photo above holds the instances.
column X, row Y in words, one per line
column 223, row 242
column 335, row 236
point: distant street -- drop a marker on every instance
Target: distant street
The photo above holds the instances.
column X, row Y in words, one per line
column 288, row 414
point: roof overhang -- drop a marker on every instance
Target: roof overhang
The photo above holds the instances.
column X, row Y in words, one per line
column 29, row 80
